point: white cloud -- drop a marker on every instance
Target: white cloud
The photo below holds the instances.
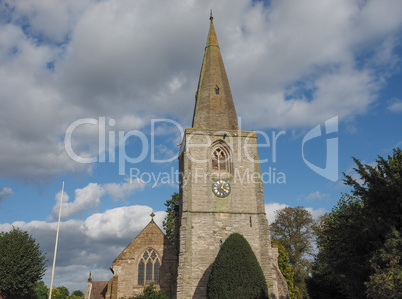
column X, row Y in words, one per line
column 296, row 63
column 88, row 198
column 317, row 213
column 5, row 191
column 317, row 195
column 395, row 106
column 123, row 190
column 40, row 13
column 89, row 245
column 271, row 208
column 119, row 222
column 85, row 198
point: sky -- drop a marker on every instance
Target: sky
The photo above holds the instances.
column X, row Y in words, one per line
column 98, row 93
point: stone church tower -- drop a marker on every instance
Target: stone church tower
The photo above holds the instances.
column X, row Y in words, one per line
column 221, row 191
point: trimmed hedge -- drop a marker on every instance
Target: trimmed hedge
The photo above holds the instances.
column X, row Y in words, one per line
column 236, row 272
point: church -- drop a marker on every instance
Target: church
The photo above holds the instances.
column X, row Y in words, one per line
column 221, row 192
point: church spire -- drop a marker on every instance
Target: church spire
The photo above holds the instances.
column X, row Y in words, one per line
column 214, row 107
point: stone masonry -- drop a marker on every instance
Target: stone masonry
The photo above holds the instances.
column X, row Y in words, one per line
column 124, row 282
column 206, row 220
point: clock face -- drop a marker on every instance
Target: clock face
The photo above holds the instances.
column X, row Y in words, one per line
column 221, row 188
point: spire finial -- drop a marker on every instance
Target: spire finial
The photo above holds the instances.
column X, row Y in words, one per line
column 152, row 215
column 211, row 17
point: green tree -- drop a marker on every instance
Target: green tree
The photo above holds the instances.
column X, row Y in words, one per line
column 380, row 192
column 150, row 292
column 60, row 293
column 169, row 221
column 41, row 290
column 286, row 269
column 22, row 264
column 358, row 238
column 77, row 293
column 294, row 229
column 236, row 272
column 342, row 263
column 386, row 282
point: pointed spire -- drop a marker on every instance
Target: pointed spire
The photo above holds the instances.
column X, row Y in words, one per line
column 214, row 107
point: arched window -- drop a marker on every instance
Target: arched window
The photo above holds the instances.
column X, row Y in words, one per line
column 141, row 273
column 220, row 158
column 148, row 268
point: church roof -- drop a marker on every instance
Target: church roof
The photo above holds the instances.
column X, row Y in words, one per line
column 149, row 236
column 98, row 289
column 214, row 107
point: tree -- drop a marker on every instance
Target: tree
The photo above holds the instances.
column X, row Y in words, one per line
column 150, row 292
column 380, row 192
column 236, row 272
column 169, row 221
column 342, row 263
column 41, row 290
column 22, row 264
column 359, row 238
column 78, row 293
column 294, row 229
column 60, row 293
column 386, row 282
column 286, row 269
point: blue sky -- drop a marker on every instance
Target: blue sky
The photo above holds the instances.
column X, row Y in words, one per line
column 130, row 65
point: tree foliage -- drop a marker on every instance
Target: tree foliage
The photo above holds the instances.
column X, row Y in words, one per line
column 294, row 229
column 78, row 293
column 386, row 282
column 286, row 269
column 169, row 221
column 359, row 241
column 236, row 272
column 342, row 263
column 150, row 292
column 41, row 290
column 60, row 293
column 22, row 264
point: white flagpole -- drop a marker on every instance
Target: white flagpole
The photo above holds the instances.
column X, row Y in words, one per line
column 55, row 246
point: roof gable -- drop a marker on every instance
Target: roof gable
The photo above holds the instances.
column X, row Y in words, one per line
column 150, row 235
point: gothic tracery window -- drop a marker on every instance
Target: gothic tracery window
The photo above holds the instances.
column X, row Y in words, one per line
column 221, row 158
column 148, row 268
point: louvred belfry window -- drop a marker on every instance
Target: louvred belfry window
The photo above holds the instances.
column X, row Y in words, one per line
column 148, row 268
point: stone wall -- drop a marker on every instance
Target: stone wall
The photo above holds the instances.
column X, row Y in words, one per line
column 124, row 282
column 206, row 220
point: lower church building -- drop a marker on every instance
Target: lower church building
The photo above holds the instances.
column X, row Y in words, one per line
column 221, row 192
column 149, row 258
